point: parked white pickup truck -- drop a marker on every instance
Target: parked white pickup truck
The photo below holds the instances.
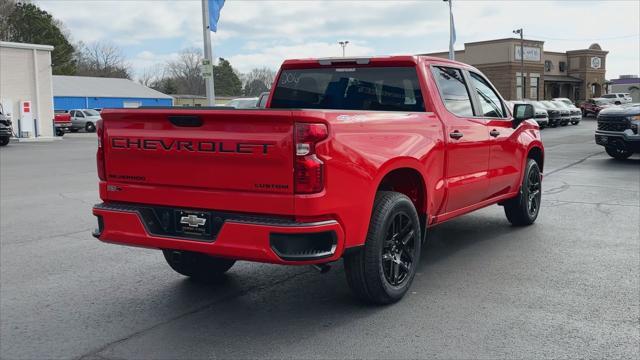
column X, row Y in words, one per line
column 618, row 98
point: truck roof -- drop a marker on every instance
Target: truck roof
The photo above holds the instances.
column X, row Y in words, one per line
column 392, row 60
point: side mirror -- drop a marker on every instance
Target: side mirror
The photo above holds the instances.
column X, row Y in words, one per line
column 522, row 112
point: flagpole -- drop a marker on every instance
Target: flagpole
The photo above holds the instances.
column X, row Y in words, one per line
column 208, row 56
column 452, row 54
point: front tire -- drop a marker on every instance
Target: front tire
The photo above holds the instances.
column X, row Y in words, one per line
column 4, row 141
column 619, row 154
column 90, row 127
column 575, row 122
column 383, row 270
column 523, row 210
column 200, row 267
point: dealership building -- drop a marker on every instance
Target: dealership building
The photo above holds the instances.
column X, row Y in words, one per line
column 575, row 74
column 25, row 89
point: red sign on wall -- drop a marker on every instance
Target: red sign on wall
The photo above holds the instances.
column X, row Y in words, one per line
column 26, row 107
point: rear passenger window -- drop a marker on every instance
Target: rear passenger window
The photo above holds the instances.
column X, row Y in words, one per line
column 489, row 100
column 453, row 90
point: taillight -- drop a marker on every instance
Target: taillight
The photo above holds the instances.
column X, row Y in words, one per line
column 309, row 170
column 100, row 152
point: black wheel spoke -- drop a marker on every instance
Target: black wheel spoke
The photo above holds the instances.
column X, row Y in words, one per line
column 398, row 248
column 408, row 255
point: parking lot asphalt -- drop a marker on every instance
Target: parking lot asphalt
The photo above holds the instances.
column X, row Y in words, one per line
column 568, row 286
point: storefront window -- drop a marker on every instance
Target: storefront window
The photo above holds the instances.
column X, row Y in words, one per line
column 519, row 91
column 533, row 95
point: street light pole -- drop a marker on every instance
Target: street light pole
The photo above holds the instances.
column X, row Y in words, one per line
column 519, row 31
column 344, row 45
column 208, row 58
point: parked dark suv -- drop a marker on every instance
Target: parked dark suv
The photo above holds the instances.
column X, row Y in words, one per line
column 618, row 130
column 5, row 128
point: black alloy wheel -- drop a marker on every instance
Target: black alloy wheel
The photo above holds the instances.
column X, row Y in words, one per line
column 524, row 209
column 398, row 250
column 381, row 272
column 534, row 192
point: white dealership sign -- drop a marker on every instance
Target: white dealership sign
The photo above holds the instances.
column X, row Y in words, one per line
column 530, row 53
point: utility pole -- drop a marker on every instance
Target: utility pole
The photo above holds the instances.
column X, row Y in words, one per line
column 207, row 64
column 344, row 45
column 452, row 32
column 519, row 31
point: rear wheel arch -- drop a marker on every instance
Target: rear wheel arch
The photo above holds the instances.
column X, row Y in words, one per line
column 537, row 154
column 410, row 182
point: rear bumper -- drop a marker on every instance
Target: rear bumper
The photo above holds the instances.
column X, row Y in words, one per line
column 64, row 127
column 240, row 237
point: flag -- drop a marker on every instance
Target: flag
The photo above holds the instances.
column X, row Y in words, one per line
column 214, row 13
column 452, row 31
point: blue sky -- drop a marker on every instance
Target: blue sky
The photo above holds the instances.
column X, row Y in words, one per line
column 255, row 33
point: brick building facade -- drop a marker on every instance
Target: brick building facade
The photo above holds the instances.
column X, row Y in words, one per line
column 575, row 74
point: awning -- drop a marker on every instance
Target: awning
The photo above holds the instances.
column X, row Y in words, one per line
column 560, row 78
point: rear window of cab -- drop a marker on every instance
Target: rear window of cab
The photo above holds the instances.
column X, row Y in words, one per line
column 350, row 88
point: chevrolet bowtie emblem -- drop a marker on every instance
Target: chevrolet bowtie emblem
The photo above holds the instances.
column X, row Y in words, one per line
column 192, row 221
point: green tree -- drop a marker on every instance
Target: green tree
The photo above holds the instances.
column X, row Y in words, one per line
column 26, row 23
column 227, row 82
column 168, row 86
column 255, row 88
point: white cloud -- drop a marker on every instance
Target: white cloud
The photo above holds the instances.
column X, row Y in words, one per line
column 147, row 59
column 266, row 31
column 273, row 56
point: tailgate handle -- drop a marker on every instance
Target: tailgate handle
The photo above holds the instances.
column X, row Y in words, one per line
column 186, row 121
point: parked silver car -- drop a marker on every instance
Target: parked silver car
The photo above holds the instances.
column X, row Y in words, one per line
column 565, row 113
column 243, row 103
column 84, row 119
column 575, row 113
column 540, row 113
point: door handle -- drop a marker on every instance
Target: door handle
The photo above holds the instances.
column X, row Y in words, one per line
column 456, row 134
column 494, row 133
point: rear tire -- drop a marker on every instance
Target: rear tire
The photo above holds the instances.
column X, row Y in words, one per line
column 4, row 141
column 200, row 267
column 90, row 127
column 523, row 210
column 619, row 154
column 383, row 270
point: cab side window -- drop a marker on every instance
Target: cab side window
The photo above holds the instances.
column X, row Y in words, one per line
column 453, row 90
column 489, row 99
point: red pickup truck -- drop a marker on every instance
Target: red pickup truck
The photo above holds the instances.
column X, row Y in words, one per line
column 62, row 123
column 351, row 158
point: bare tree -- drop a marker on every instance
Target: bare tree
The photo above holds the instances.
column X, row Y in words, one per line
column 101, row 59
column 152, row 76
column 257, row 80
column 185, row 72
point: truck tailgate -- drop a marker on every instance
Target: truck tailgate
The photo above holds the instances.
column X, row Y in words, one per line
column 195, row 154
